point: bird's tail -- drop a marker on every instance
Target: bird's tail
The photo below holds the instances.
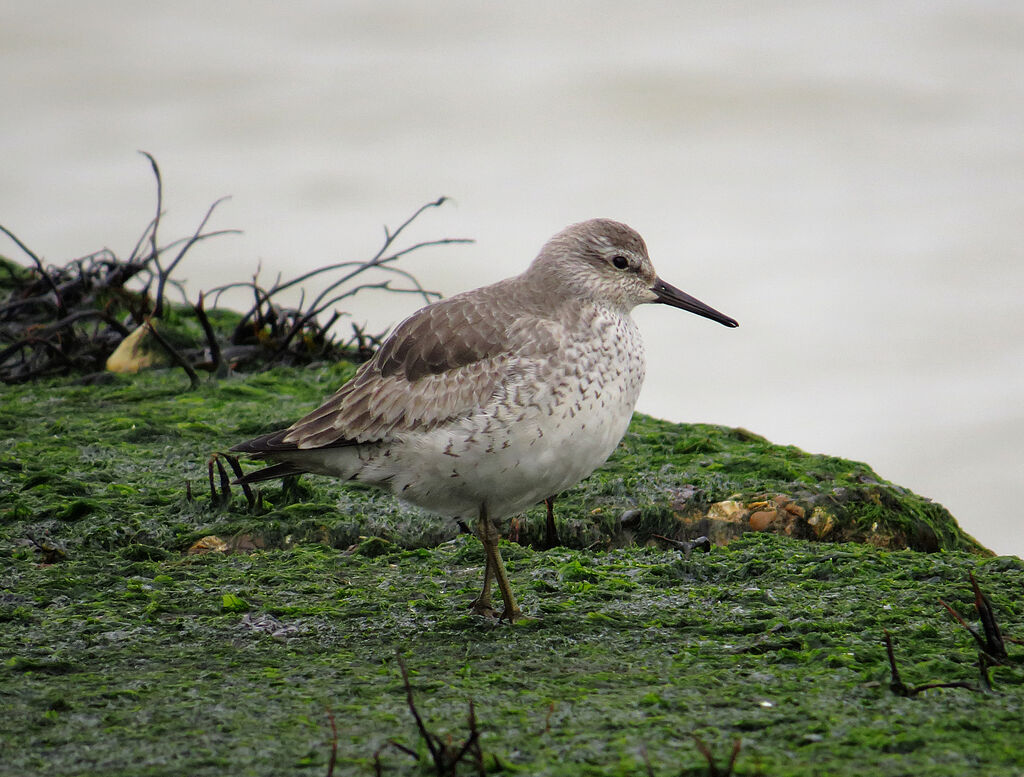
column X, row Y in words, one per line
column 269, row 473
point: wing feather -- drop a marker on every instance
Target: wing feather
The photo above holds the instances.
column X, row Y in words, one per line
column 443, row 363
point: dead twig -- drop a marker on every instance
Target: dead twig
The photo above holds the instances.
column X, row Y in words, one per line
column 334, row 743
column 58, row 320
column 445, row 755
column 220, row 367
column 365, row 344
column 176, row 357
column 896, row 684
column 40, row 268
column 687, row 546
column 647, row 760
column 285, row 330
column 993, row 644
column 713, row 770
column 990, row 641
column 198, row 235
column 547, row 719
column 316, row 309
column 154, row 250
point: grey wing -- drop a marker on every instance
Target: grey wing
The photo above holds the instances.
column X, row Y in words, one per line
column 444, row 362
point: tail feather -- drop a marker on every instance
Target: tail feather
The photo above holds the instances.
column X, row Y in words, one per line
column 290, row 459
column 264, row 444
column 269, row 473
column 269, row 444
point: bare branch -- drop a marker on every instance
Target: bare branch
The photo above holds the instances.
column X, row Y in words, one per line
column 164, row 274
column 178, row 359
column 39, row 266
column 334, row 743
column 220, row 368
column 154, row 251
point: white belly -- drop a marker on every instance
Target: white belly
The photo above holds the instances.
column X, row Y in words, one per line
column 549, row 427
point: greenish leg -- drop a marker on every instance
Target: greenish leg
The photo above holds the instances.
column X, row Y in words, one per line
column 494, row 567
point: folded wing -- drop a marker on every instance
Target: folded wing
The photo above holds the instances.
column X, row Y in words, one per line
column 444, row 362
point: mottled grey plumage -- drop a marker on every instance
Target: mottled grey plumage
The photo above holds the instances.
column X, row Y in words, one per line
column 485, row 403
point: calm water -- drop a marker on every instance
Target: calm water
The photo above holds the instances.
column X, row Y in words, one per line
column 846, row 179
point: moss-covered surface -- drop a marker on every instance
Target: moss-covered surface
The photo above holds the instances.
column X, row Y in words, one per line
column 106, row 466
column 124, row 655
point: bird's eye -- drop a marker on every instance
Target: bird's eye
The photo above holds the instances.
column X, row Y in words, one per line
column 620, row 262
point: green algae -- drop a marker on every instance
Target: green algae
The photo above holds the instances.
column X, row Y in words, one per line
column 88, row 464
column 156, row 667
column 675, row 472
column 122, row 654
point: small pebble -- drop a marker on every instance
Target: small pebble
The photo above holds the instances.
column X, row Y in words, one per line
column 762, row 519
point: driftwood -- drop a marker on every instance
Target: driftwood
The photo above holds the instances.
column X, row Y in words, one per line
column 70, row 319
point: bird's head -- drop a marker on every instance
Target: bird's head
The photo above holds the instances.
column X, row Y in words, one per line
column 607, row 262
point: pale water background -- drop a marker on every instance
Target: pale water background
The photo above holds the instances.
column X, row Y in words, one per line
column 846, row 179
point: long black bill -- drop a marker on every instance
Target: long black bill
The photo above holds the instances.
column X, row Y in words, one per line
column 670, row 295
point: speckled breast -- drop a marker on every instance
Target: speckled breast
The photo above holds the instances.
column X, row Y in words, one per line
column 553, row 422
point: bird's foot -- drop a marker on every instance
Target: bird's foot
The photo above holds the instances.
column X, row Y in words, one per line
column 485, row 609
column 482, row 606
column 511, row 615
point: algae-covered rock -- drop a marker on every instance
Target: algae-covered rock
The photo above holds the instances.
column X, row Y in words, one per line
column 135, row 453
column 273, row 644
column 695, row 479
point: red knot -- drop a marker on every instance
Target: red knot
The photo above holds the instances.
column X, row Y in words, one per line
column 483, row 404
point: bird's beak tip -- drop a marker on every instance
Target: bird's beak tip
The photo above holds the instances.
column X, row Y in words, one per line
column 667, row 294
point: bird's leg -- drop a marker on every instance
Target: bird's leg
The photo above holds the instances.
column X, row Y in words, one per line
column 489, row 537
column 482, row 604
column 550, row 534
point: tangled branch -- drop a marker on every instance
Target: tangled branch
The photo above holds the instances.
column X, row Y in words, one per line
column 70, row 319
